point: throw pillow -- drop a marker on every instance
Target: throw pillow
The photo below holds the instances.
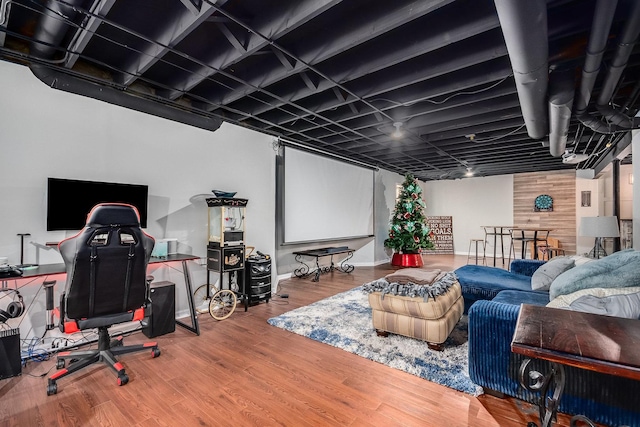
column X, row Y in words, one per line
column 544, row 276
column 620, row 269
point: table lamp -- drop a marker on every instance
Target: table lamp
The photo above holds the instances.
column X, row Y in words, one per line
column 599, row 227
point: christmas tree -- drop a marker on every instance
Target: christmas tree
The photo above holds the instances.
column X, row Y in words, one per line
column 409, row 231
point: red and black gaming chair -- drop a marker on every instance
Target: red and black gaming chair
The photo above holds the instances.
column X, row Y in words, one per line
column 106, row 284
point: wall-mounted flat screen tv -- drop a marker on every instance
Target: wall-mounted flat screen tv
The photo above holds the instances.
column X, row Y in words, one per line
column 69, row 201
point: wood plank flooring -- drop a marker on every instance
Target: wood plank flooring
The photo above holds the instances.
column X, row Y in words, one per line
column 242, row 371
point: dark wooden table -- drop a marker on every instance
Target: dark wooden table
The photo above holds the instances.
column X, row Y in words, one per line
column 587, row 341
column 304, row 270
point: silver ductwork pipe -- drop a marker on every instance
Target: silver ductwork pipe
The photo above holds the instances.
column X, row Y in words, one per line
column 602, row 19
column 626, row 43
column 52, row 27
column 524, row 25
column 561, row 90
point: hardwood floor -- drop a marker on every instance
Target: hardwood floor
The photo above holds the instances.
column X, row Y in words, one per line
column 242, row 371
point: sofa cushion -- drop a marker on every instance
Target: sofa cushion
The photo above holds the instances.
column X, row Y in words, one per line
column 488, row 281
column 621, row 269
column 545, row 274
column 522, row 297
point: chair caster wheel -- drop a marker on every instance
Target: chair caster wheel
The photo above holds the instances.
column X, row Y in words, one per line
column 123, row 379
column 60, row 363
column 155, row 352
column 52, row 388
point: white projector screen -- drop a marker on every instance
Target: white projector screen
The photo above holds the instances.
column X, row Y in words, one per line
column 325, row 199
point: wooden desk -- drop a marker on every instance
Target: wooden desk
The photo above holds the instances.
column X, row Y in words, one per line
column 495, row 231
column 535, row 238
column 304, row 270
column 587, row 341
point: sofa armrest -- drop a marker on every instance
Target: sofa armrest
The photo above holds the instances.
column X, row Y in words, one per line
column 491, row 364
column 525, row 267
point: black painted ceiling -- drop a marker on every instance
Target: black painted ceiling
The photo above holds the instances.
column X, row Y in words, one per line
column 333, row 75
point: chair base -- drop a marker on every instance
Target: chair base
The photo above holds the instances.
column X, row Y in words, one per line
column 107, row 351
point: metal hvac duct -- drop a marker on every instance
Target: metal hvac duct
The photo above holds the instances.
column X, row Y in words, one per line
column 602, row 19
column 524, row 25
column 626, row 43
column 561, row 90
column 52, row 27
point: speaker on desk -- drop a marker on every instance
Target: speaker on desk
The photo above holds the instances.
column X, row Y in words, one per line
column 163, row 310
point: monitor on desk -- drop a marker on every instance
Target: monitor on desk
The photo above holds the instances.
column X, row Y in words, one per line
column 69, row 201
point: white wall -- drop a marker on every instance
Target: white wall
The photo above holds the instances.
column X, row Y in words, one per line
column 50, row 133
column 473, row 202
column 585, row 244
column 384, row 202
column 635, row 148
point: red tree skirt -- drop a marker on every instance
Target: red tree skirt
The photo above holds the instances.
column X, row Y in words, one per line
column 406, row 260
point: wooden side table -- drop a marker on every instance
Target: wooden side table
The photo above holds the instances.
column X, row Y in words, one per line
column 588, row 341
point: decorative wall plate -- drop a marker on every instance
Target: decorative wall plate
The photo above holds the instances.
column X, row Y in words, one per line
column 543, row 203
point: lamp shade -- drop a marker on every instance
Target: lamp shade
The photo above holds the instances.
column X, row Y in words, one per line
column 599, row 226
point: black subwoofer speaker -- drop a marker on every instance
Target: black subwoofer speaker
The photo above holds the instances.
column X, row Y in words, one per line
column 163, row 310
column 10, row 360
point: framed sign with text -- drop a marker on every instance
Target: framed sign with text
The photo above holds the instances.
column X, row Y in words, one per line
column 442, row 234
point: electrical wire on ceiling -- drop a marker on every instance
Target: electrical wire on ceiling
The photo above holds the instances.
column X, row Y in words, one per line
column 409, row 104
column 491, row 139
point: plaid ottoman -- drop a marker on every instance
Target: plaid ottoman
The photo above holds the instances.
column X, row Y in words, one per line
column 431, row 321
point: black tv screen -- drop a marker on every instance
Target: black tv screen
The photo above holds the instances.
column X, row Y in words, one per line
column 69, row 201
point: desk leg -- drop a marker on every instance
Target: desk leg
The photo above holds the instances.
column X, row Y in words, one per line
column 303, row 270
column 317, row 277
column 345, row 267
column 552, row 382
column 194, row 327
column 550, row 387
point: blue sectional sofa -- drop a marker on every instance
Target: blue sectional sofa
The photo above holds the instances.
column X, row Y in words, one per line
column 484, row 283
column 492, row 298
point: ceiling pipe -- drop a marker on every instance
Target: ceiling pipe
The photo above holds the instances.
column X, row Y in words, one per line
column 626, row 43
column 524, row 25
column 561, row 90
column 52, row 27
column 602, row 19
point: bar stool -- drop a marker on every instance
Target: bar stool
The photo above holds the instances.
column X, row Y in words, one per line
column 477, row 242
column 549, row 252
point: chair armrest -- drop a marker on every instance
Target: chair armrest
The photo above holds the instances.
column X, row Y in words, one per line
column 62, row 311
column 525, row 267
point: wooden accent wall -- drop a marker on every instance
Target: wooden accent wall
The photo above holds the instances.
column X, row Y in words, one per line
column 561, row 186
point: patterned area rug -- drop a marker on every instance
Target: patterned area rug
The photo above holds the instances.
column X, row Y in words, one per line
column 344, row 321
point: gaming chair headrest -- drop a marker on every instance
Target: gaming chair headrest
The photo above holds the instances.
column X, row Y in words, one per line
column 106, row 214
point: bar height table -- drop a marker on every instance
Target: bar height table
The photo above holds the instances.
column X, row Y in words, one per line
column 535, row 238
column 495, row 231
